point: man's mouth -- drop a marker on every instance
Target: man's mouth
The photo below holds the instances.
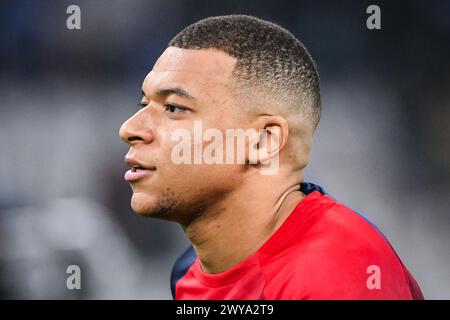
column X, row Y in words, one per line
column 137, row 170
column 136, row 173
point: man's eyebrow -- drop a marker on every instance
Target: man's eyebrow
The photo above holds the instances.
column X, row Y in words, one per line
column 179, row 91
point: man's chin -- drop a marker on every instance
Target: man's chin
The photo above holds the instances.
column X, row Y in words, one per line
column 149, row 205
column 143, row 204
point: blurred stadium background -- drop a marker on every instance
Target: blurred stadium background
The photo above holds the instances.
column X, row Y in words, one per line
column 383, row 146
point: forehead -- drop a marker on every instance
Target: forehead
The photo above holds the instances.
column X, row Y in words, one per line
column 195, row 70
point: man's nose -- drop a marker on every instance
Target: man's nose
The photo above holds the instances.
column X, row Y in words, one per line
column 136, row 130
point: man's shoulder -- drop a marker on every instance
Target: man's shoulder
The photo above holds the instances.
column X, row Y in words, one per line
column 332, row 228
column 335, row 258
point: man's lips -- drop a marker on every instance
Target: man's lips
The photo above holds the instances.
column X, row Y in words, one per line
column 137, row 173
column 138, row 169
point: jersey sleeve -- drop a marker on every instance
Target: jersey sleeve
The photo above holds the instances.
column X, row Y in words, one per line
column 180, row 267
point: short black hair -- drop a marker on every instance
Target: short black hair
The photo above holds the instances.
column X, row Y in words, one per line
column 267, row 55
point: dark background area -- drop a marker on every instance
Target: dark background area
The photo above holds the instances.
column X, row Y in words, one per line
column 382, row 146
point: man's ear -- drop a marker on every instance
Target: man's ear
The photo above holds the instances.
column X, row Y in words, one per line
column 272, row 138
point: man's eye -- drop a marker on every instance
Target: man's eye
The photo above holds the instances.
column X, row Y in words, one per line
column 174, row 109
column 142, row 104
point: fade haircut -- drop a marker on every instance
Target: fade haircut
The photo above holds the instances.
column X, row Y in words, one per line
column 268, row 57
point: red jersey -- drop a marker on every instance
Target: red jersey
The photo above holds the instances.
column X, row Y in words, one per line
column 323, row 250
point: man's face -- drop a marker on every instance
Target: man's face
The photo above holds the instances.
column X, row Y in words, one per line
column 184, row 86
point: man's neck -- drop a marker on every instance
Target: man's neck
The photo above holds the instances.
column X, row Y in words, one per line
column 240, row 224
